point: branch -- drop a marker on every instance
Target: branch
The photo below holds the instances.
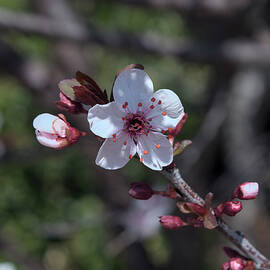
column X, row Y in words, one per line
column 261, row 262
column 243, row 52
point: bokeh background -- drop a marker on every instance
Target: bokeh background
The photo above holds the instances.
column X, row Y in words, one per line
column 58, row 210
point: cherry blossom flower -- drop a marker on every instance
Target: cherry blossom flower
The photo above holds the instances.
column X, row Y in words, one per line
column 55, row 132
column 135, row 122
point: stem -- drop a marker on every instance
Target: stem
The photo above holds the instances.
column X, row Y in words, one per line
column 236, row 237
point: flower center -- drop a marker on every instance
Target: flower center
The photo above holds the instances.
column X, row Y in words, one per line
column 136, row 124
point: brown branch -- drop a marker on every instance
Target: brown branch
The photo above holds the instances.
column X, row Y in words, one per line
column 244, row 52
column 261, row 262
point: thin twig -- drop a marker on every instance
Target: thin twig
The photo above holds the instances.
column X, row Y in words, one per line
column 261, row 262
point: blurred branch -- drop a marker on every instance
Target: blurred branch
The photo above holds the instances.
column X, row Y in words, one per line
column 231, row 51
column 236, row 237
column 208, row 7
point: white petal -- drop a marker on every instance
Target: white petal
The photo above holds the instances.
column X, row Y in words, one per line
column 105, row 120
column 170, row 103
column 60, row 127
column 155, row 150
column 50, row 140
column 133, row 86
column 114, row 155
column 44, row 122
column 164, row 122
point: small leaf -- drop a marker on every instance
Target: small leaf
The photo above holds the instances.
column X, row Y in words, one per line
column 90, row 84
column 208, row 200
column 66, row 86
column 179, row 147
column 87, row 97
column 209, row 221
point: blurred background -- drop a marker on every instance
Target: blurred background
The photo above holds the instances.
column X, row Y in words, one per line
column 58, row 210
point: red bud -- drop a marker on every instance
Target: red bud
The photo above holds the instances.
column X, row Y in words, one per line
column 232, row 208
column 171, row 222
column 246, row 191
column 66, row 104
column 140, row 191
column 236, row 264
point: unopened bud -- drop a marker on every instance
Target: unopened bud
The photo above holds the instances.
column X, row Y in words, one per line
column 171, row 222
column 66, row 104
column 140, row 191
column 246, row 191
column 232, row 208
column 236, row 264
column 225, row 266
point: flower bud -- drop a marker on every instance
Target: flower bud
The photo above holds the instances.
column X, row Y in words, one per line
column 171, row 222
column 225, row 266
column 246, row 191
column 236, row 264
column 232, row 208
column 140, row 191
column 66, row 104
column 54, row 131
column 173, row 132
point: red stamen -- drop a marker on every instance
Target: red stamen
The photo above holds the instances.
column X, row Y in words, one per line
column 153, row 99
column 123, row 118
column 163, row 113
column 158, row 146
column 125, row 142
column 114, row 135
column 141, row 159
column 145, row 152
column 139, row 104
column 152, row 107
column 130, row 156
column 159, row 102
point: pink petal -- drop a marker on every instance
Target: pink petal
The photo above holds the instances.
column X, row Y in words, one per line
column 51, row 140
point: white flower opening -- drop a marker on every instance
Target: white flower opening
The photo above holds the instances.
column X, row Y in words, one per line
column 135, row 122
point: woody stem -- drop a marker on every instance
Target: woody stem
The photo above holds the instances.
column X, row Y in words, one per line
column 236, row 237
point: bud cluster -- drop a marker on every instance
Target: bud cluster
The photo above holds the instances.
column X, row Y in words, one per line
column 244, row 191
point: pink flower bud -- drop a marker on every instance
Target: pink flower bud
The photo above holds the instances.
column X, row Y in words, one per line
column 66, row 104
column 225, row 266
column 236, row 264
column 55, row 132
column 246, row 191
column 171, row 222
column 231, row 208
column 173, row 132
column 140, row 191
